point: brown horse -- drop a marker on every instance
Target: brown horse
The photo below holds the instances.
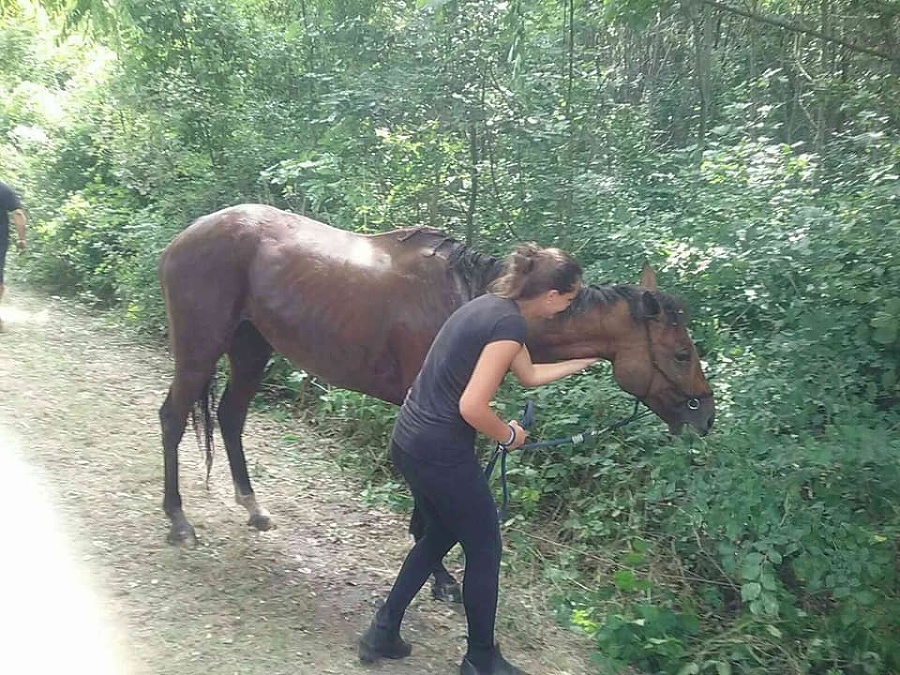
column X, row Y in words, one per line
column 360, row 312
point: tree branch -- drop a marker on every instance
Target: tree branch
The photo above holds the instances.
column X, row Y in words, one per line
column 796, row 28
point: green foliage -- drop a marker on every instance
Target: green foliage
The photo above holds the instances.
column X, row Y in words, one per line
column 364, row 425
column 82, row 248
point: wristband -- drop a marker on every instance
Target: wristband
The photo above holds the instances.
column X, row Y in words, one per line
column 512, row 436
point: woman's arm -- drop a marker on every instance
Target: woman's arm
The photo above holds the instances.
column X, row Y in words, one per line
column 474, row 404
column 20, row 220
column 531, row 374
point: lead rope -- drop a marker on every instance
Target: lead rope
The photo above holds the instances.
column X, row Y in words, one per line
column 527, row 421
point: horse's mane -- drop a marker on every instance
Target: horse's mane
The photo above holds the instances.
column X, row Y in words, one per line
column 475, row 270
column 609, row 295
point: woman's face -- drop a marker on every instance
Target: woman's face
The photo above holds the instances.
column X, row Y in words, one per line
column 558, row 301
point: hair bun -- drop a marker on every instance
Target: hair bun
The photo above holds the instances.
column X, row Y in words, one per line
column 523, row 263
column 531, row 270
column 525, row 256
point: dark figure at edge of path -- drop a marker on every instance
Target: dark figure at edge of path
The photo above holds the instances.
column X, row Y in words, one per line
column 10, row 203
column 433, row 445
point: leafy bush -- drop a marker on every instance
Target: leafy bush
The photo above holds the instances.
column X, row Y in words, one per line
column 82, row 247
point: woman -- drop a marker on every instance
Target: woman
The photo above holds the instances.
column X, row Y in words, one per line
column 10, row 204
column 433, row 445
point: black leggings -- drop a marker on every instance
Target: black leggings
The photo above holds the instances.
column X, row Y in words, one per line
column 4, row 245
column 457, row 506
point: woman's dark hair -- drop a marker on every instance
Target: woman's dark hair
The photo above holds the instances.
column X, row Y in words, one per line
column 531, row 270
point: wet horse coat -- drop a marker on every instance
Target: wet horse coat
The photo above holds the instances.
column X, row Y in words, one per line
column 360, row 312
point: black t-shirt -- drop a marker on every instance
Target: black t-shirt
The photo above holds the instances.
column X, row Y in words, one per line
column 429, row 425
column 9, row 201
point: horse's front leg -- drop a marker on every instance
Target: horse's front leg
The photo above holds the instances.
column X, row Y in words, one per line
column 231, row 422
column 443, row 586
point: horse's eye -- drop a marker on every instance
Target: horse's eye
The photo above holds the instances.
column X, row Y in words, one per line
column 683, row 357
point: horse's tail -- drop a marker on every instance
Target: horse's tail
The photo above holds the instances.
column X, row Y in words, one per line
column 205, row 405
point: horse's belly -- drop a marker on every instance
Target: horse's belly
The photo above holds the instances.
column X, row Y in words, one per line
column 349, row 358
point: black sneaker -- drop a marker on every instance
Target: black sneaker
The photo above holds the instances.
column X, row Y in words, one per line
column 499, row 666
column 382, row 643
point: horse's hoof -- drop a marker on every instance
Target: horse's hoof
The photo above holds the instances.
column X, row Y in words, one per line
column 447, row 592
column 182, row 536
column 262, row 522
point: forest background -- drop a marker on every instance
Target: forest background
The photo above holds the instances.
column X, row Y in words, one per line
column 748, row 149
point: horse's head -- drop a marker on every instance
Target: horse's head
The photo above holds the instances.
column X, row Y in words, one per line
column 658, row 363
column 643, row 333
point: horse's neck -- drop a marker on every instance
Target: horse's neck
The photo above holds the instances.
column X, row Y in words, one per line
column 598, row 333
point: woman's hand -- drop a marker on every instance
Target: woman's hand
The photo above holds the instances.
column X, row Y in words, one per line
column 520, row 437
column 586, row 363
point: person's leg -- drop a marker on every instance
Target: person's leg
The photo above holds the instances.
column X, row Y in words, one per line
column 3, row 247
column 431, row 547
column 471, row 515
column 465, row 504
column 457, row 505
column 382, row 639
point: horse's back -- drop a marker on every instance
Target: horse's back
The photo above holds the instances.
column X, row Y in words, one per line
column 241, row 229
column 238, row 234
column 229, row 249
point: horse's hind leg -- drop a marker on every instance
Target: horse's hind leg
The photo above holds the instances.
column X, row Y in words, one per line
column 248, row 355
column 186, row 389
column 443, row 586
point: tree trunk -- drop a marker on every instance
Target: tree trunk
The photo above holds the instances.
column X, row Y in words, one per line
column 702, row 25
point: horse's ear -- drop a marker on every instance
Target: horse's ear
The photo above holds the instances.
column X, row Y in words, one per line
column 650, row 304
column 648, row 277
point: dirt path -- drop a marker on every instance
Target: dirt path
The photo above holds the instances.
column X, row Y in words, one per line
column 92, row 581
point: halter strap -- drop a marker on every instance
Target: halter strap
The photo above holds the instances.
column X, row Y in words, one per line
column 692, row 401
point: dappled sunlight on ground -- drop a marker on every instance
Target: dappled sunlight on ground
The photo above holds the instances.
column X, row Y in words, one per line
column 13, row 316
column 52, row 620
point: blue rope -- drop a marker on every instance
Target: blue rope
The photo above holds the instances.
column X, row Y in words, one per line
column 526, row 422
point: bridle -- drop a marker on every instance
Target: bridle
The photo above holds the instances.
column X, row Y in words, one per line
column 692, row 401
